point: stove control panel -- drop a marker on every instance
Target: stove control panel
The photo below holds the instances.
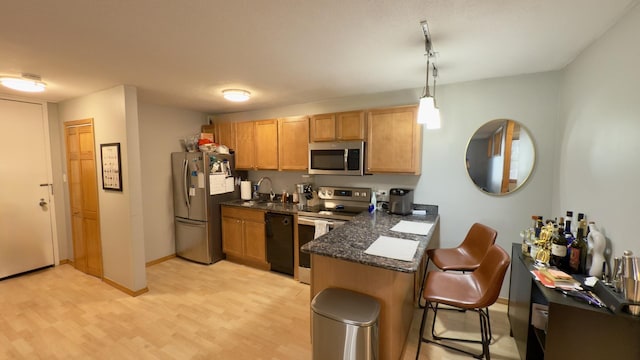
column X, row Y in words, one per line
column 344, row 193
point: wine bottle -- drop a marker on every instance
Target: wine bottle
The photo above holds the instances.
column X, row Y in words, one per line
column 568, row 220
column 558, row 246
column 578, row 252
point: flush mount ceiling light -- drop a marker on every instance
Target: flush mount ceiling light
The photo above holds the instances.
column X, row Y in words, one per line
column 28, row 83
column 427, row 112
column 236, row 95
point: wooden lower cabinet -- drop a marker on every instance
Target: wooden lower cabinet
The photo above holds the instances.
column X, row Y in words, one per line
column 243, row 236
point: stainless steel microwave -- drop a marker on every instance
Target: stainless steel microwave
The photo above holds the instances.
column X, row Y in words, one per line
column 337, row 158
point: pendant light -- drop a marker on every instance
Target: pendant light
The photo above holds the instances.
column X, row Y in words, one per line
column 433, row 122
column 427, row 112
column 427, row 104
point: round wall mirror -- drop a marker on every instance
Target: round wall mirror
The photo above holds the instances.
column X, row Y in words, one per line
column 500, row 156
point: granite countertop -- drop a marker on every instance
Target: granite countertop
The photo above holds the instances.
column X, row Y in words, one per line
column 349, row 241
column 275, row 206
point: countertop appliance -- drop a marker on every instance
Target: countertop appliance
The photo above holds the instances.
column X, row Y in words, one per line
column 279, row 229
column 198, row 233
column 336, row 206
column 401, row 201
column 337, row 158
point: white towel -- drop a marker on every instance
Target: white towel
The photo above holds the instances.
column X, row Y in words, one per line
column 322, row 227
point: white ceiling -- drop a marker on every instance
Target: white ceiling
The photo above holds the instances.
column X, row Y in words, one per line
column 183, row 53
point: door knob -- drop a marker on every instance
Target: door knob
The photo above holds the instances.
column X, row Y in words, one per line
column 42, row 202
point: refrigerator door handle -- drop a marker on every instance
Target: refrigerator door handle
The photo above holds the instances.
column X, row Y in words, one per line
column 191, row 222
column 185, row 169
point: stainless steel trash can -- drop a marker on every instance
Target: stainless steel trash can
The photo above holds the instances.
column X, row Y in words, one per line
column 345, row 325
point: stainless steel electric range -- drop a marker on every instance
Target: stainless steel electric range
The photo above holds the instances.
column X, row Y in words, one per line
column 336, row 206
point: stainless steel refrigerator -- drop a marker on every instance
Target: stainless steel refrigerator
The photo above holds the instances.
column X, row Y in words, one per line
column 197, row 213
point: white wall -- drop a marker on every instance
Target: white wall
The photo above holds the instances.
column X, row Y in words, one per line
column 599, row 168
column 161, row 129
column 114, row 112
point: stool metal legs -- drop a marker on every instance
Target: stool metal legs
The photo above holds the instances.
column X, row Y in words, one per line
column 484, row 333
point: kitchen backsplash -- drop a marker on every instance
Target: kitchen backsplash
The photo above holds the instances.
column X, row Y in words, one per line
column 285, row 181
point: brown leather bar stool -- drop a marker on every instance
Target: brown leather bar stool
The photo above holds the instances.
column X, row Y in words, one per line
column 473, row 291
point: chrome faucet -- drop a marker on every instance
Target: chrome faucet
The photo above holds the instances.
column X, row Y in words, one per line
column 271, row 193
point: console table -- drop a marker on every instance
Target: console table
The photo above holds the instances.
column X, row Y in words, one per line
column 574, row 330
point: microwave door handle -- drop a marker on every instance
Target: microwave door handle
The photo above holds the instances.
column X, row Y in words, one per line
column 346, row 159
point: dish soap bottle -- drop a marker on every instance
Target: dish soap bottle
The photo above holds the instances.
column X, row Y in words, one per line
column 373, row 204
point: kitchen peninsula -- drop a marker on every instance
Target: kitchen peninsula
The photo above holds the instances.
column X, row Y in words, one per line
column 338, row 259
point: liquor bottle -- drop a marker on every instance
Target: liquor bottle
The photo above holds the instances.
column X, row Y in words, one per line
column 568, row 220
column 578, row 252
column 569, row 236
column 559, row 247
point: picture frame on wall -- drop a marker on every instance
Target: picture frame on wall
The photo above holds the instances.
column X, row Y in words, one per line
column 111, row 167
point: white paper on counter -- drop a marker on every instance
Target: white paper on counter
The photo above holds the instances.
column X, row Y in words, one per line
column 412, row 227
column 218, row 184
column 394, row 248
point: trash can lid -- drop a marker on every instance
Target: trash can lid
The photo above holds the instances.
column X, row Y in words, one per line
column 346, row 306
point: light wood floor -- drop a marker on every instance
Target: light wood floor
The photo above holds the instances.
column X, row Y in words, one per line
column 192, row 311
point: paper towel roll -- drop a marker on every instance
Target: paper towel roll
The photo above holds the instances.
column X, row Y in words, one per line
column 245, row 190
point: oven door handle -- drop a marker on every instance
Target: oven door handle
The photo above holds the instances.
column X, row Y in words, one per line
column 306, row 221
column 311, row 222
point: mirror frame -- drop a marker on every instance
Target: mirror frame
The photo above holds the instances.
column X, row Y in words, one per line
column 494, row 129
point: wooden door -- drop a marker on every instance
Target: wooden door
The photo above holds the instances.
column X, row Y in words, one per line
column 394, row 141
column 83, row 193
column 245, row 145
column 350, row 125
column 26, row 240
column 266, row 139
column 293, row 147
column 322, row 127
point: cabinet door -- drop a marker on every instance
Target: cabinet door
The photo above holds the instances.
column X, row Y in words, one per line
column 255, row 241
column 232, row 236
column 350, row 125
column 322, row 127
column 226, row 134
column 266, row 139
column 293, row 146
column 394, row 141
column 245, row 145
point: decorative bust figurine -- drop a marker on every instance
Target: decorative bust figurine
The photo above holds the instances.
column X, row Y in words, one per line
column 597, row 243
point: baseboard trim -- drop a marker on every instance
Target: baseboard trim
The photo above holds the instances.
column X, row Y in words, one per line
column 162, row 259
column 502, row 301
column 124, row 289
column 65, row 261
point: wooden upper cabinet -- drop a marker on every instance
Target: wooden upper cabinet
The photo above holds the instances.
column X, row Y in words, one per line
column 245, row 145
column 266, row 150
column 350, row 125
column 344, row 126
column 323, row 127
column 211, row 129
column 293, row 145
column 394, row 141
column 257, row 145
column 225, row 134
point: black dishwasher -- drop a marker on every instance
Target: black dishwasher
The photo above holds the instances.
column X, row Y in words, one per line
column 280, row 242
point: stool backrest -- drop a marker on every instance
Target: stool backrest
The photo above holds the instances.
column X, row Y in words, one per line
column 478, row 240
column 490, row 275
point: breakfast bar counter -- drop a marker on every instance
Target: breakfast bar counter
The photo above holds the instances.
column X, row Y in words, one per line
column 338, row 259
